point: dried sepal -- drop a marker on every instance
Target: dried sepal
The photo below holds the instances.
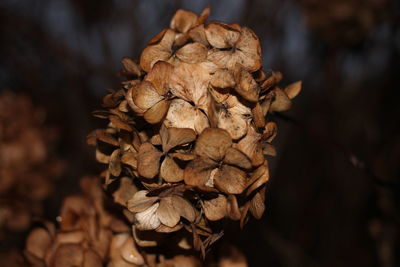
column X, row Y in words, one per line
column 140, row 202
column 230, row 180
column 213, row 143
column 215, row 209
column 148, row 160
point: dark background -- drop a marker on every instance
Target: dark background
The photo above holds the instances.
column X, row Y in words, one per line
column 334, row 195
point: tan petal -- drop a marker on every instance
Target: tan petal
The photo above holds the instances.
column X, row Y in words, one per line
column 116, row 122
column 220, row 35
column 185, row 209
column 140, row 202
column 215, row 209
column 132, row 105
column 198, row 35
column 91, row 259
column 105, row 137
column 129, row 159
column 38, row 241
column 257, row 206
column 192, row 53
column 167, row 213
column 68, row 255
column 235, row 157
column 183, row 20
column 244, row 212
column 268, row 149
column 101, row 157
column 185, row 156
column 281, row 102
column 156, row 52
column 170, row 171
column 232, row 208
column 157, row 113
column 148, row 219
column 183, row 115
column 125, row 191
column 223, row 59
column 190, row 82
column 222, row 78
column 165, row 229
column 213, row 143
column 173, row 137
column 219, row 94
column 249, row 50
column 270, row 131
column 204, row 15
column 148, row 160
column 234, row 123
column 115, row 163
column 159, row 76
column 258, row 116
column 198, row 171
column 246, row 86
column 230, row 180
column 273, row 79
column 131, row 67
column 249, row 143
column 259, row 177
column 292, row 90
column 130, row 253
column 145, row 96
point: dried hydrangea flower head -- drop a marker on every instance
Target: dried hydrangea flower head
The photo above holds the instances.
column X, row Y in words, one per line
column 28, row 169
column 188, row 133
column 87, row 235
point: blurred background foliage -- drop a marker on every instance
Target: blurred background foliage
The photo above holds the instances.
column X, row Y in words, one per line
column 333, row 199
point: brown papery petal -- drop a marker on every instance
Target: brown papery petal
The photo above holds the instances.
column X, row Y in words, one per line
column 185, row 209
column 170, row 171
column 129, row 159
column 270, row 131
column 219, row 95
column 204, row 15
column 249, row 143
column 234, row 123
column 232, row 208
column 249, row 50
column 230, row 180
column 215, row 209
column 183, row 115
column 235, row 157
column 165, row 229
column 140, row 202
column 192, row 53
column 281, row 102
column 161, row 51
column 148, row 219
column 183, row 20
column 198, row 35
column 257, row 205
column 115, row 163
column 131, row 67
column 220, row 35
column 173, row 137
column 130, row 253
column 198, row 171
column 38, row 242
column 125, row 191
column 259, row 177
column 157, row 113
column 268, row 149
column 145, row 96
column 159, row 76
column 167, row 213
column 91, row 258
column 102, row 135
column 101, row 157
column 292, row 90
column 68, row 255
column 120, row 124
column 148, row 160
column 213, row 143
column 258, row 116
column 222, row 78
column 246, row 86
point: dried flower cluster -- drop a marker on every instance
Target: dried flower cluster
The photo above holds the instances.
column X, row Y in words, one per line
column 188, row 135
column 28, row 169
column 344, row 21
column 88, row 235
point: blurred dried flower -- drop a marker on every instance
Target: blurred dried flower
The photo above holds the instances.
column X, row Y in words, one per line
column 28, row 168
column 188, row 134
